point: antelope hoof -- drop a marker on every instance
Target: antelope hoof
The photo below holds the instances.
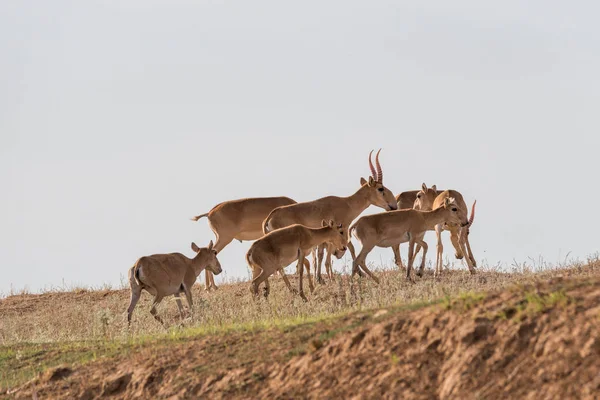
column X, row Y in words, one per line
column 420, row 274
column 320, row 280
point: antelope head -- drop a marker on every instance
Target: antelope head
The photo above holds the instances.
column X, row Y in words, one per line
column 377, row 194
column 208, row 257
column 425, row 198
column 339, row 238
column 456, row 214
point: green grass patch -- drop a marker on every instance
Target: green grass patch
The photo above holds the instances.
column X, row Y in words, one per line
column 465, row 301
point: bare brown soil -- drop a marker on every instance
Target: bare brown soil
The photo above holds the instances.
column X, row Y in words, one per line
column 534, row 341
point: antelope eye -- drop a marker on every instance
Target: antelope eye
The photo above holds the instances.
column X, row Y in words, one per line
column 342, row 233
column 418, row 196
column 454, row 209
column 380, row 189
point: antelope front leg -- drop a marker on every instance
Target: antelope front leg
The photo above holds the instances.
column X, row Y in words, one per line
column 300, row 269
column 188, row 296
column 456, row 239
column 469, row 251
column 328, row 266
column 463, row 242
column 397, row 258
column 411, row 258
column 320, row 252
column 310, row 282
column 440, row 251
column 422, row 244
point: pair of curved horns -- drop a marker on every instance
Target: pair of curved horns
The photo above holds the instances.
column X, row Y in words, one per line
column 377, row 175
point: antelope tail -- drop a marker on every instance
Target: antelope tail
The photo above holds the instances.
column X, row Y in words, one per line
column 197, row 217
column 136, row 273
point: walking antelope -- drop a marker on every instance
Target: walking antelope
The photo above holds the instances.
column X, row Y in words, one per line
column 242, row 220
column 340, row 209
column 431, row 198
column 389, row 229
column 169, row 274
column 406, row 201
column 281, row 247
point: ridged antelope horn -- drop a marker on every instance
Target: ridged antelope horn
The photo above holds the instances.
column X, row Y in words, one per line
column 373, row 173
column 379, row 171
column 472, row 213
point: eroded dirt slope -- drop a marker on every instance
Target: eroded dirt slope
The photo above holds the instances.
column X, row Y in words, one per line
column 533, row 342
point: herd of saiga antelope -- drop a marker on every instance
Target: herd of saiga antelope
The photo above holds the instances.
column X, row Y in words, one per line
column 286, row 231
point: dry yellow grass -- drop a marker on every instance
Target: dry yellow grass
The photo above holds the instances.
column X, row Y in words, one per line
column 83, row 315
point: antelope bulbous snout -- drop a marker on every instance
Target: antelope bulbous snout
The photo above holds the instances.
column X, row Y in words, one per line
column 392, row 207
column 339, row 253
column 216, row 269
column 465, row 224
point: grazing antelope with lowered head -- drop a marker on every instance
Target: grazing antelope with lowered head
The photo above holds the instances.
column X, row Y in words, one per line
column 169, row 274
column 431, row 198
column 242, row 220
column 281, row 247
column 390, row 229
column 458, row 233
column 341, row 209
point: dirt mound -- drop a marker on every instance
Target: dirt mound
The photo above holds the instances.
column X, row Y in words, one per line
column 535, row 342
column 543, row 346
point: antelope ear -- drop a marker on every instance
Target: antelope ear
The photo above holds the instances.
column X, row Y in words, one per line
column 424, row 187
column 331, row 223
column 371, row 181
column 434, row 188
column 324, row 224
column 210, row 245
column 446, row 202
column 362, row 181
column 195, row 247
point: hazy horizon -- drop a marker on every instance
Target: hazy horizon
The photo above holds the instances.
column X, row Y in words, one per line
column 121, row 120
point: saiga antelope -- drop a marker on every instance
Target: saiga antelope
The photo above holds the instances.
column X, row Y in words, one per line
column 389, row 229
column 406, row 201
column 241, row 220
column 169, row 274
column 340, row 209
column 281, row 247
column 431, row 198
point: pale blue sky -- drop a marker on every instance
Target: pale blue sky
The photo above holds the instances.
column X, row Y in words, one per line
column 119, row 120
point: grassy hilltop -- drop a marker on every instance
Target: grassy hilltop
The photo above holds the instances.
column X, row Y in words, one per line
column 483, row 336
